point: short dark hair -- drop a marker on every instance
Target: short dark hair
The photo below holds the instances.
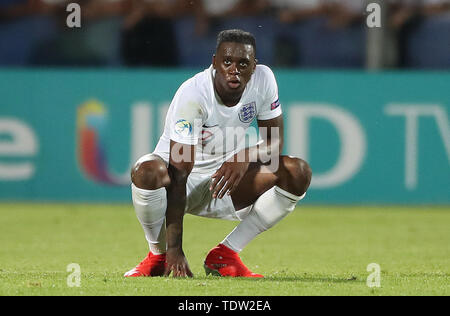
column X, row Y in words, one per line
column 236, row 36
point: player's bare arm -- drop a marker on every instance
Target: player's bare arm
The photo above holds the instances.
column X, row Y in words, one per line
column 180, row 165
column 228, row 176
column 273, row 138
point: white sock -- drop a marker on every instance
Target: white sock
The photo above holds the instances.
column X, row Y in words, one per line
column 269, row 209
column 150, row 207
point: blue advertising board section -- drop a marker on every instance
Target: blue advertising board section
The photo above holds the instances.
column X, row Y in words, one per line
column 370, row 138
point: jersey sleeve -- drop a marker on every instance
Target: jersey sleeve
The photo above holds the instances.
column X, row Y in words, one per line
column 186, row 116
column 271, row 106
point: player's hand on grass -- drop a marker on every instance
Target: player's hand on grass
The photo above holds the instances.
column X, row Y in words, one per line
column 227, row 178
column 176, row 263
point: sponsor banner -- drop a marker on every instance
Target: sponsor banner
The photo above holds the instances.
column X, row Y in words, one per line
column 369, row 138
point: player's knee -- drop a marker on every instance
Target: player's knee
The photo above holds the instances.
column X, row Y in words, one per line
column 150, row 174
column 298, row 175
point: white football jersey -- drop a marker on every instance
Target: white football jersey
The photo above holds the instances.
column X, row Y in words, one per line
column 196, row 116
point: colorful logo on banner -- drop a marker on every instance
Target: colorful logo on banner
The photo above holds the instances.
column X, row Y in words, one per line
column 91, row 126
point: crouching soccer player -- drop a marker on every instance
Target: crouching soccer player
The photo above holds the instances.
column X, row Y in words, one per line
column 195, row 170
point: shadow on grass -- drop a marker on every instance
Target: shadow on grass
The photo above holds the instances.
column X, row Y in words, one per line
column 293, row 278
column 117, row 277
column 319, row 279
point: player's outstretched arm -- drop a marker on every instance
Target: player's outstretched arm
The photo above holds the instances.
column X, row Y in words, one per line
column 181, row 163
column 228, row 176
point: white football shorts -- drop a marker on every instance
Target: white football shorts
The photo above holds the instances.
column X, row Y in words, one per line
column 199, row 198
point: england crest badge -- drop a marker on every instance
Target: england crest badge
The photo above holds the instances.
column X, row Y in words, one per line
column 248, row 112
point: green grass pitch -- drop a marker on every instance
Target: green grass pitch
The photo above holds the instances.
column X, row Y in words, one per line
column 317, row 250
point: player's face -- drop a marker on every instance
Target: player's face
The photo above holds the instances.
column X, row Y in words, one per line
column 234, row 64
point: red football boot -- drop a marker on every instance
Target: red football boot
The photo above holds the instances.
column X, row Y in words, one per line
column 152, row 265
column 222, row 261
